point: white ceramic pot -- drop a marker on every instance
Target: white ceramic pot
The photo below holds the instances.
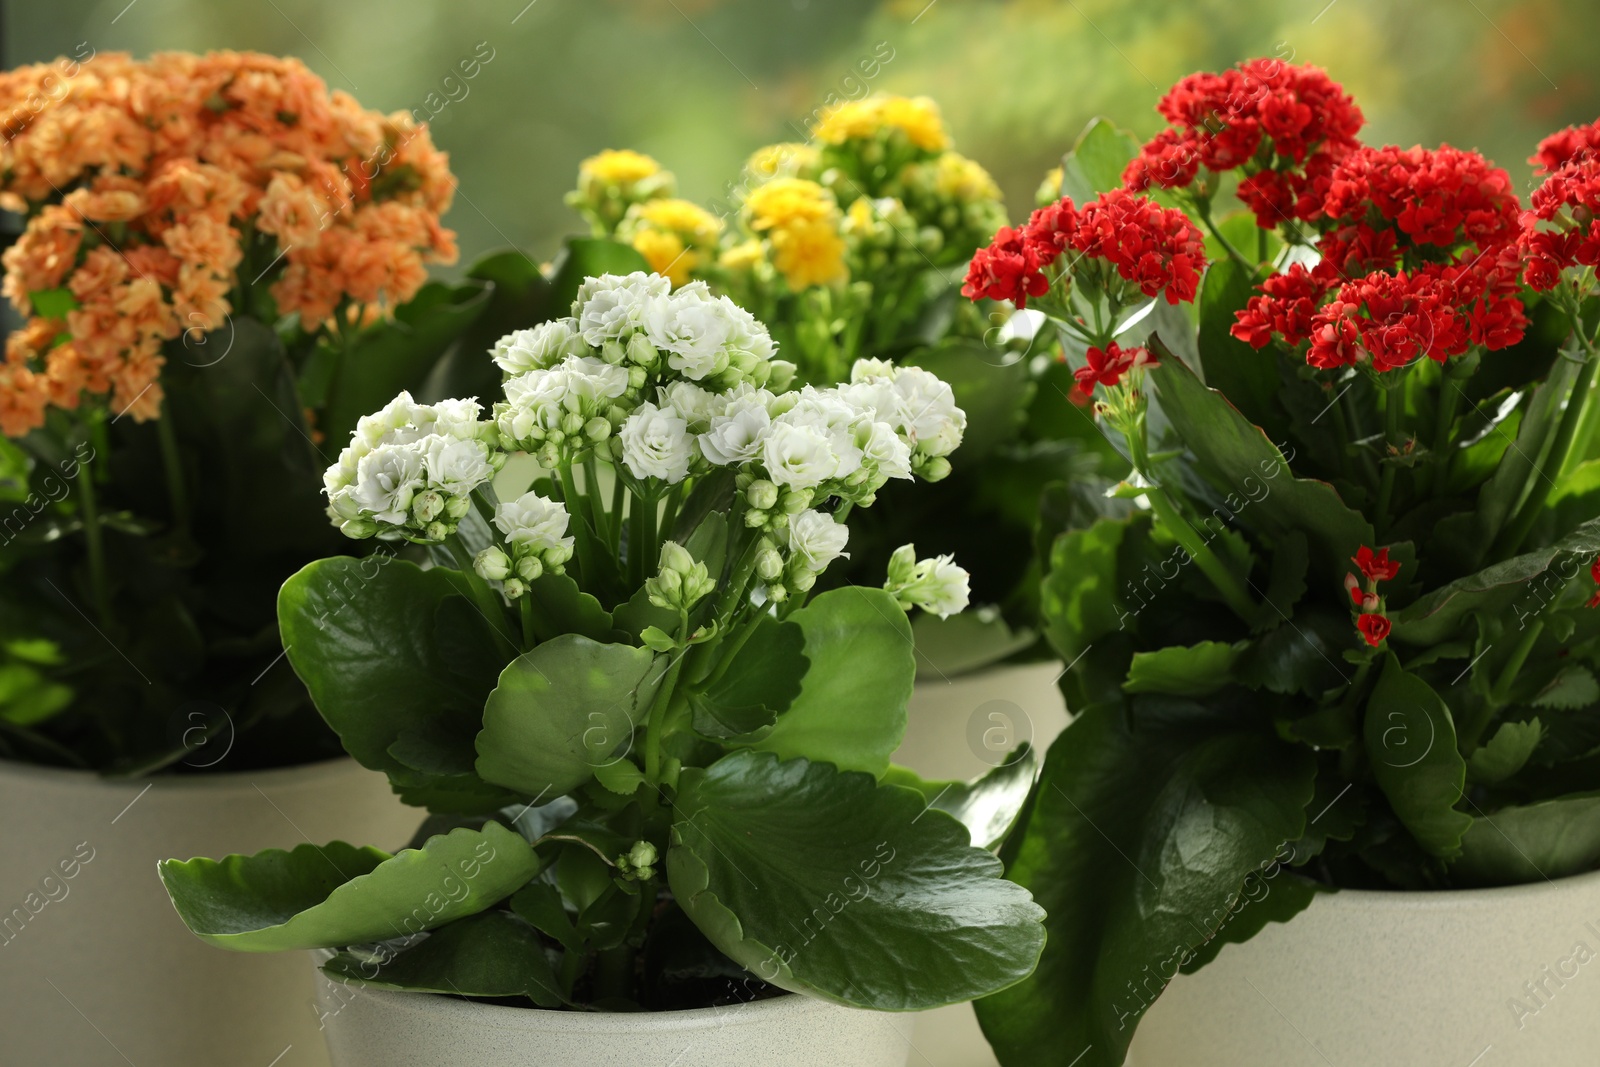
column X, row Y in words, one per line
column 96, row 970
column 375, row 1028
column 964, row 725
column 1485, row 977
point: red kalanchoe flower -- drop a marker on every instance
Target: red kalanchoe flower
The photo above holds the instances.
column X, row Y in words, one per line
column 1565, row 146
column 1376, row 565
column 1570, row 200
column 1286, row 308
column 1008, row 269
column 1301, row 120
column 1391, row 320
column 1157, row 248
column 1594, row 572
column 1107, row 366
column 1373, row 627
column 1444, row 197
column 1363, row 600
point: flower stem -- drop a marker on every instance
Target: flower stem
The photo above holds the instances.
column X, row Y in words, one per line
column 618, row 502
column 1500, row 692
column 1203, row 207
column 1226, row 582
column 525, row 607
column 577, row 507
column 591, row 492
column 172, row 466
column 658, row 707
column 1393, row 408
column 1449, row 404
column 94, row 541
column 1512, row 536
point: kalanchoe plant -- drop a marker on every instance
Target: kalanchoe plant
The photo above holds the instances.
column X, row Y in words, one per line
column 658, row 767
column 1335, row 629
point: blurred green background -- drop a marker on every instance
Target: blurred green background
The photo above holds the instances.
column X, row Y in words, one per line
column 699, row 83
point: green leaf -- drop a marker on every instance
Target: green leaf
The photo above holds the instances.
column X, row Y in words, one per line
column 975, row 638
column 1143, row 848
column 1437, row 616
column 492, row 954
column 362, row 635
column 1095, row 164
column 851, row 710
column 399, row 354
column 561, row 710
column 1197, row 670
column 520, row 298
column 1520, row 466
column 53, row 303
column 560, row 607
column 1411, row 742
column 761, row 681
column 1506, row 752
column 1079, row 601
column 1237, row 457
column 1575, row 687
column 588, row 257
column 994, row 394
column 540, row 904
column 1300, row 657
column 825, row 882
column 987, row 805
column 622, row 777
column 1532, row 843
column 335, row 895
column 1247, row 377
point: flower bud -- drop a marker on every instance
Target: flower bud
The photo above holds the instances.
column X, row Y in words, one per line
column 427, row 505
column 456, row 508
column 762, row 494
column 935, row 470
column 641, row 351
column 492, row 564
column 769, row 564
column 436, row 531
column 642, row 854
column 514, row 589
column 358, row 529
column 796, row 500
column 777, row 594
column 637, row 376
column 597, row 428
column 675, row 557
column 555, row 557
column 530, row 568
column 613, row 352
column 573, row 424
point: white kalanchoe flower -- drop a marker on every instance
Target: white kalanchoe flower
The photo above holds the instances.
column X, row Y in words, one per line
column 492, row 564
column 611, row 307
column 697, row 406
column 656, row 443
column 400, row 422
column 736, row 434
column 931, row 421
column 815, row 540
column 798, row 456
column 386, row 479
column 455, row 466
column 935, row 585
column 691, row 327
column 533, row 523
column 539, row 348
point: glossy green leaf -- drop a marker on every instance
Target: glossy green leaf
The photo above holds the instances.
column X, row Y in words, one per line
column 1411, row 745
column 1096, row 162
column 825, row 882
column 1250, row 379
column 987, row 805
column 1143, row 849
column 761, row 681
column 1239, row 459
column 560, row 607
column 992, row 392
column 587, row 257
column 560, row 710
column 1080, row 602
column 851, row 710
column 362, row 635
column 1575, row 687
column 336, row 895
column 1532, row 843
column 1195, row 670
column 1506, row 753
column 966, row 642
column 519, row 299
column 491, row 954
column 1502, row 587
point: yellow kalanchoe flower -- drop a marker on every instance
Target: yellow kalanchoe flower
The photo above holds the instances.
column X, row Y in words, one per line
column 809, row 253
column 784, row 202
column 618, row 166
column 787, row 159
column 746, row 255
column 614, row 180
column 676, row 237
column 917, row 117
column 963, row 179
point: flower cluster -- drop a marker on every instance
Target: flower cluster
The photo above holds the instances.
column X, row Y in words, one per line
column 935, row 585
column 797, row 223
column 1566, row 146
column 613, row 181
column 1154, row 250
column 883, row 116
column 1561, row 229
column 676, row 237
column 1107, row 366
column 410, row 470
column 139, row 181
column 534, row 527
column 1375, row 567
column 1284, row 127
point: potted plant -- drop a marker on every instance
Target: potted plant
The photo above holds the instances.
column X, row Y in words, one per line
column 1331, row 643
column 658, row 765
column 850, row 244
column 219, row 263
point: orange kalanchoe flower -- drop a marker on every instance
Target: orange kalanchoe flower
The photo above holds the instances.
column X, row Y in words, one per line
column 143, row 181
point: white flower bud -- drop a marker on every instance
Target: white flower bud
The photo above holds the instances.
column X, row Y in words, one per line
column 762, row 494
column 492, row 564
column 514, row 589
column 427, row 505
column 358, row 529
column 530, row 568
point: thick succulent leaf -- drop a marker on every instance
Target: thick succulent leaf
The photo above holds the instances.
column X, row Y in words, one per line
column 1238, row 458
column 1095, row 164
column 1531, row 843
column 1498, row 588
column 1142, row 849
column 362, row 635
column 1506, row 753
column 965, row 642
column 851, row 709
column 1247, row 377
column 1195, row 670
column 825, row 882
column 336, row 895
column 560, row 607
column 562, row 709
column 987, row 805
column 491, row 954
column 759, row 683
column 1411, row 745
column 1080, row 605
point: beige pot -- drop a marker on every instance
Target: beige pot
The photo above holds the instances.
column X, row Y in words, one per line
column 1473, row 978
column 376, row 1028
column 96, row 970
column 966, row 724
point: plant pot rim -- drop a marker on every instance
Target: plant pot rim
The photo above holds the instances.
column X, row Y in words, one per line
column 202, row 781
column 470, row 1013
column 1452, row 899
